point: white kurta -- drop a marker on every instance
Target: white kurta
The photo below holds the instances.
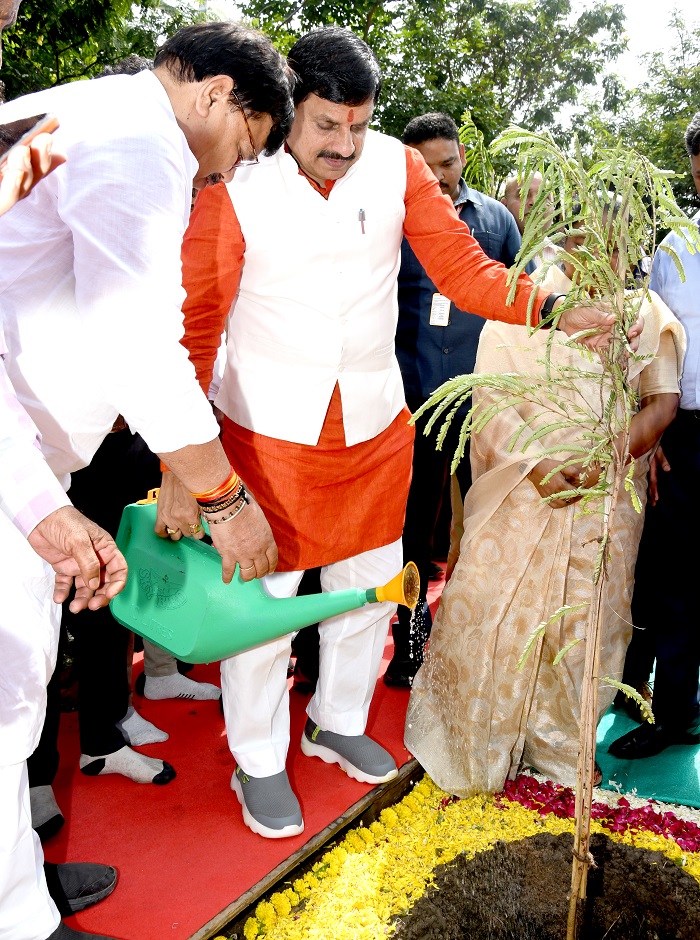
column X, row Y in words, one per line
column 90, row 274
column 90, row 299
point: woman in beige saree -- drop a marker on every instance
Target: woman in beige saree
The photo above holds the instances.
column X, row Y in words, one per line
column 474, row 718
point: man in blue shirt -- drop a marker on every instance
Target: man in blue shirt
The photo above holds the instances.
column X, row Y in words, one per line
column 434, row 342
column 665, row 599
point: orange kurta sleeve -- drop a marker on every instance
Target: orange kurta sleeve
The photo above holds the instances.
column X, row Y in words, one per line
column 453, row 259
column 212, row 259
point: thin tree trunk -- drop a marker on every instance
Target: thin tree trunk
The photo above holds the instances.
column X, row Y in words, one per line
column 585, row 770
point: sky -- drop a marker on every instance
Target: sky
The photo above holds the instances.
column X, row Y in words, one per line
column 647, row 29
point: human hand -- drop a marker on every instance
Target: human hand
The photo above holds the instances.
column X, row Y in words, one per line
column 81, row 553
column 178, row 511
column 246, row 541
column 598, row 318
column 568, row 478
column 25, row 167
column 659, row 463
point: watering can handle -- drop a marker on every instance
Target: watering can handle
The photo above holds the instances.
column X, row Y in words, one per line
column 152, row 497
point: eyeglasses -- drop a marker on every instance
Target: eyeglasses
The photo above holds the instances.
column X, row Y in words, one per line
column 245, row 161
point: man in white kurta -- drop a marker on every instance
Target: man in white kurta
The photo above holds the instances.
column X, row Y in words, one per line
column 90, row 295
column 314, row 413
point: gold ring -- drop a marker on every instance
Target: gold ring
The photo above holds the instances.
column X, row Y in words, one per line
column 248, row 568
column 195, row 527
column 170, row 531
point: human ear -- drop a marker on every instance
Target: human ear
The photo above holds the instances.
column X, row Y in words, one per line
column 213, row 92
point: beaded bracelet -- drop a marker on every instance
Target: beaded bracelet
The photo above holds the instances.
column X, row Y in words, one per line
column 225, row 503
column 232, row 515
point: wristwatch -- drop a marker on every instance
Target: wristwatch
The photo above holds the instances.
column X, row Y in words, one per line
column 547, row 308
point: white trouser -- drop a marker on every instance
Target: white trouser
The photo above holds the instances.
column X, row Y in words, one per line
column 27, row 911
column 254, row 684
column 29, row 622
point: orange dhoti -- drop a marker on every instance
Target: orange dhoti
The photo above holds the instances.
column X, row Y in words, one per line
column 327, row 502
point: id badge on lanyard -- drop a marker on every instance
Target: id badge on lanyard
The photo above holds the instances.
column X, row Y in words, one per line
column 440, row 311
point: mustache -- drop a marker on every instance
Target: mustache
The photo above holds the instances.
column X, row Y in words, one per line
column 332, row 155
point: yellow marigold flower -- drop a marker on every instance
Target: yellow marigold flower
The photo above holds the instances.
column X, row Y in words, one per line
column 377, row 829
column 412, row 803
column 340, row 853
column 265, row 913
column 366, row 835
column 291, row 896
column 354, row 841
column 251, row 929
column 388, row 817
column 281, row 904
column 300, row 886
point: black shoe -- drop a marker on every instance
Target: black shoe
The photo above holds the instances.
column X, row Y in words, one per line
column 400, row 673
column 435, row 572
column 648, row 740
column 75, row 886
column 302, row 683
column 64, row 932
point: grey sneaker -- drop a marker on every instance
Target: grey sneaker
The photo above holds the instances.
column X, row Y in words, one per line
column 270, row 807
column 359, row 756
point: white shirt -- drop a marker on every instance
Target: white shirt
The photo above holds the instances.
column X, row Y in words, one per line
column 683, row 297
column 90, row 274
column 29, row 492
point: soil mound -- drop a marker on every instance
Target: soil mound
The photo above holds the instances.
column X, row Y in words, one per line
column 519, row 891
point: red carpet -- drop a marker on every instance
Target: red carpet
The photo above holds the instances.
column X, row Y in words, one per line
column 182, row 850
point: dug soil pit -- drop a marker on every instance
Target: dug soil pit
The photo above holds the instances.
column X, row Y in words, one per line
column 519, row 891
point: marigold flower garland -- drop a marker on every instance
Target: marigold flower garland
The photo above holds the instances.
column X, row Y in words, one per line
column 379, row 871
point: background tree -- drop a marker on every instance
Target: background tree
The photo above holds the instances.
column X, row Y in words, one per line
column 501, row 61
column 653, row 117
column 57, row 41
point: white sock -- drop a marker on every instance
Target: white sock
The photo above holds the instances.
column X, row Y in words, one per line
column 136, row 767
column 179, row 686
column 138, row 731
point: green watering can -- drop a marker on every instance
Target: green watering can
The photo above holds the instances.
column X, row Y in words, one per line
column 174, row 596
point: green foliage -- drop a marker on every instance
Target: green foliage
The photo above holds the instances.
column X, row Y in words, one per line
column 541, row 629
column 57, row 41
column 644, row 706
column 479, row 171
column 501, row 61
column 653, row 117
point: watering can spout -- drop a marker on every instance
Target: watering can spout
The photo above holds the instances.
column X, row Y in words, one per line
column 175, row 597
column 404, row 588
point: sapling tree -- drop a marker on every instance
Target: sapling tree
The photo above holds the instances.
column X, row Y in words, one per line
column 613, row 203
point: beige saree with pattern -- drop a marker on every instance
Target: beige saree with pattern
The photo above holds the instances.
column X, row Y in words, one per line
column 474, row 718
